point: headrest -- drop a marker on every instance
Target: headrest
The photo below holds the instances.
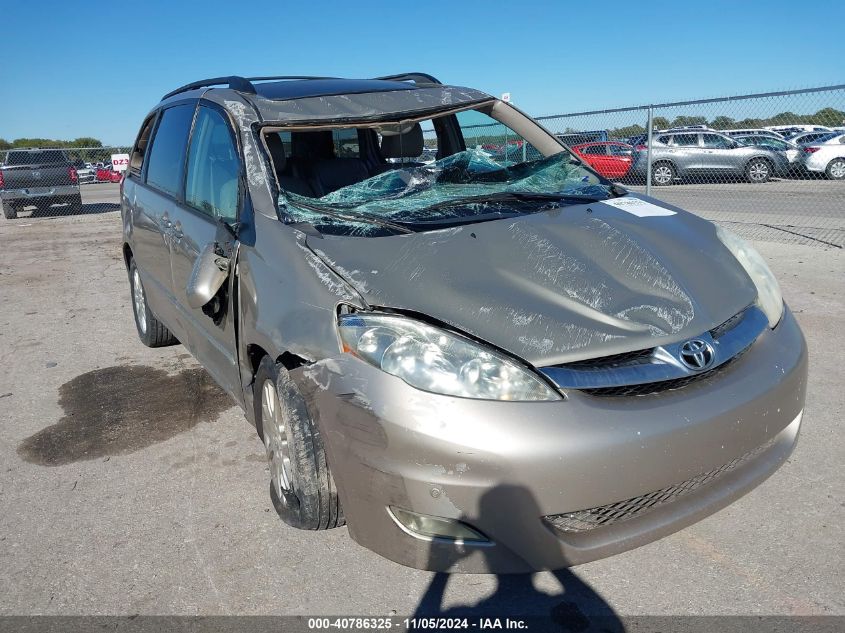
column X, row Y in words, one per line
column 407, row 145
column 277, row 151
column 312, row 145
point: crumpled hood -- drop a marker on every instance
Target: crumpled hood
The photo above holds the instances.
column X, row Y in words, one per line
column 557, row 286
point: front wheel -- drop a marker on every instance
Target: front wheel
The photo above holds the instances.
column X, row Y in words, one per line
column 662, row 174
column 301, row 484
column 758, row 170
column 836, row 169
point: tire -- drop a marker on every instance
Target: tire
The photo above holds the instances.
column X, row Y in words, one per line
column 302, row 488
column 835, row 169
column 75, row 204
column 663, row 174
column 758, row 170
column 10, row 212
column 151, row 331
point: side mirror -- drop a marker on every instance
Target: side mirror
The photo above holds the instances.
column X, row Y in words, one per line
column 211, row 270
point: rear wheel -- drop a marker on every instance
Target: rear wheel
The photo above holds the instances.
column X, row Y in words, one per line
column 151, row 331
column 301, row 484
column 758, row 170
column 662, row 174
column 75, row 204
column 836, row 169
column 10, row 212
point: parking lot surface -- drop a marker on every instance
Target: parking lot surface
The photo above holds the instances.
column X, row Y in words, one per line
column 132, row 485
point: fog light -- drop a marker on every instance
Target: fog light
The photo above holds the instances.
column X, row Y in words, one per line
column 426, row 526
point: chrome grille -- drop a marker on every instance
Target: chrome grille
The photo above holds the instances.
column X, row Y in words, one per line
column 585, row 520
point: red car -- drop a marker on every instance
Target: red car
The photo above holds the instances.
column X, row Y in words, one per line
column 610, row 158
column 107, row 174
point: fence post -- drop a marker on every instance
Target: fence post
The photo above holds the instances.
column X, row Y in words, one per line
column 648, row 151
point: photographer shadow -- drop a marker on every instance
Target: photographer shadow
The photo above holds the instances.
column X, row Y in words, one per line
column 577, row 607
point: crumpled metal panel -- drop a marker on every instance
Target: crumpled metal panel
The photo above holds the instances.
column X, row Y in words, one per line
column 557, row 286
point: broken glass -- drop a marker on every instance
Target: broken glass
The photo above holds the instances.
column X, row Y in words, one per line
column 421, row 193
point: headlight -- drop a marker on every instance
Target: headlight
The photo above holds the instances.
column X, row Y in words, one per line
column 769, row 297
column 438, row 361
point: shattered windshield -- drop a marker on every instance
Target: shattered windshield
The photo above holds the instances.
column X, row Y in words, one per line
column 406, row 178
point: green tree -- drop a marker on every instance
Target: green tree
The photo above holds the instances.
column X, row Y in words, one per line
column 722, row 123
column 681, row 121
column 660, row 123
column 4, row 144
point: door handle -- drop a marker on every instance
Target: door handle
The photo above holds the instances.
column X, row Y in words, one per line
column 165, row 221
column 177, row 230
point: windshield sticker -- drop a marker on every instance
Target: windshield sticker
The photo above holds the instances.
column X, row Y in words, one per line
column 638, row 207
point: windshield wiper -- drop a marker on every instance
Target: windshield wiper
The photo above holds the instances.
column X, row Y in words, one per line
column 512, row 196
column 367, row 219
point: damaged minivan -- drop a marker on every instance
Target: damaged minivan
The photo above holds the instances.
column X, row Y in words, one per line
column 451, row 334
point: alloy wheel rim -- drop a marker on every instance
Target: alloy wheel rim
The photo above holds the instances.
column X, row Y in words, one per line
column 662, row 174
column 139, row 302
column 758, row 171
column 275, row 439
column 837, row 169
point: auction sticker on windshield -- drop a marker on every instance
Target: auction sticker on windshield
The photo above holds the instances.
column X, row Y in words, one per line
column 637, row 207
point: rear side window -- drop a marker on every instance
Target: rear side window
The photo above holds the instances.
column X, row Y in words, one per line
column 46, row 157
column 685, row 140
column 166, row 161
column 213, row 167
column 619, row 150
column 136, row 161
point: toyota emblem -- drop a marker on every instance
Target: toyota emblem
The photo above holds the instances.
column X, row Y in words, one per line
column 697, row 354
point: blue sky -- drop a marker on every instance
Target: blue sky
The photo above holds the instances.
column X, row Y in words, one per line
column 75, row 69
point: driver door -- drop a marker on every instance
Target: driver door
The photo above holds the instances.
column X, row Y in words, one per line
column 212, row 193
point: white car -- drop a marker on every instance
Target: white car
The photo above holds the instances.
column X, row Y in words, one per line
column 827, row 158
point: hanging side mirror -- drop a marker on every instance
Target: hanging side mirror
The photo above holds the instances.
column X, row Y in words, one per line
column 210, row 272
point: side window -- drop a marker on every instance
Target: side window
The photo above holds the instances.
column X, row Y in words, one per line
column 136, row 160
column 619, row 150
column 594, row 150
column 167, row 156
column 714, row 141
column 495, row 139
column 685, row 140
column 666, row 140
column 213, row 167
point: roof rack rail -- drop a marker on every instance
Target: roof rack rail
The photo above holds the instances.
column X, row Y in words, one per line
column 234, row 82
column 293, row 77
column 415, row 77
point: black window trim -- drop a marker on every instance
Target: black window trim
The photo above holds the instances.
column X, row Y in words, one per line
column 179, row 198
column 183, row 203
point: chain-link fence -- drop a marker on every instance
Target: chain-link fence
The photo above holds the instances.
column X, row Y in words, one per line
column 60, row 181
column 771, row 166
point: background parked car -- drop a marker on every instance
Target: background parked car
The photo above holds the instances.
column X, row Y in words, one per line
column 85, row 173
column 40, row 178
column 107, row 174
column 827, row 158
column 689, row 154
column 806, row 138
column 791, row 150
column 610, row 158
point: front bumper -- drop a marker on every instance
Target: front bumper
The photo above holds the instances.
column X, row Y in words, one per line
column 502, row 467
column 37, row 194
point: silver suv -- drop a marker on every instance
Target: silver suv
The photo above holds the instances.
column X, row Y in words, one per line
column 695, row 155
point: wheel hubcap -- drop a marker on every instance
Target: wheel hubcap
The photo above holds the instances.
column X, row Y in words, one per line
column 139, row 302
column 275, row 439
column 662, row 174
column 758, row 171
column 837, row 169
